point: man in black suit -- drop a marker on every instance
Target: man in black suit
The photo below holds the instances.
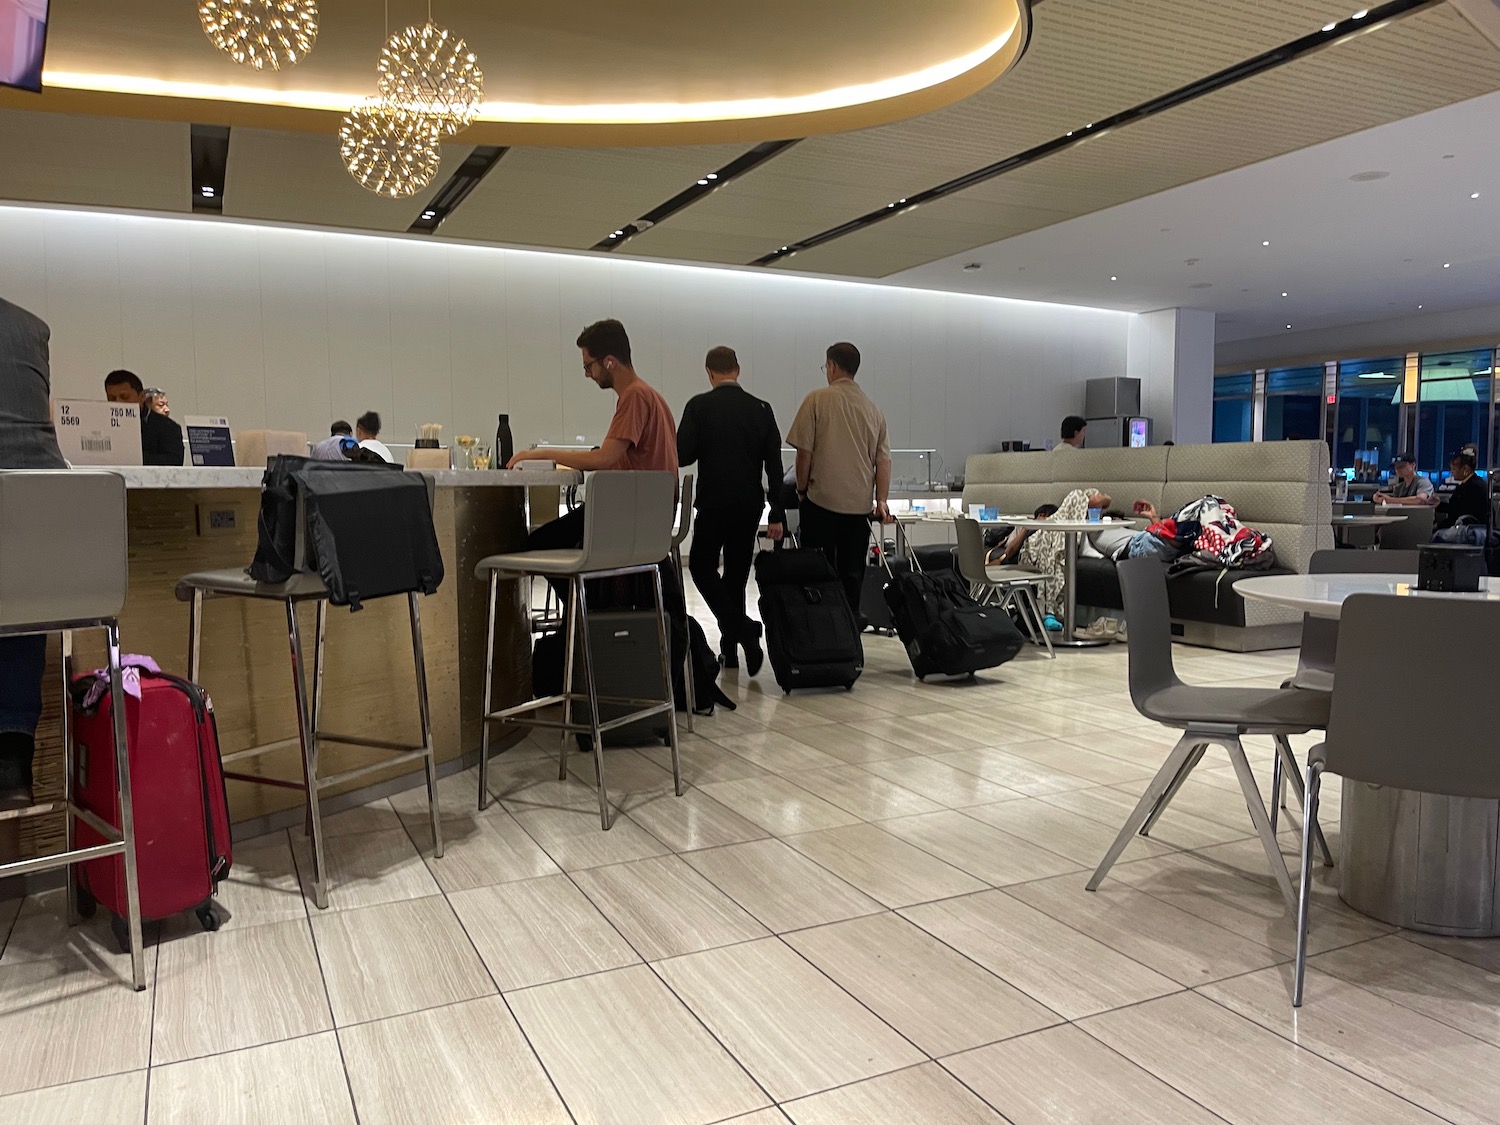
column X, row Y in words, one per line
column 733, row 437
column 161, row 438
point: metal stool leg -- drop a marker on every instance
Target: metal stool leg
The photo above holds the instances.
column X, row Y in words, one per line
column 420, row 661
column 666, row 678
column 580, row 598
column 1286, row 764
column 489, row 694
column 1029, row 594
column 1177, row 761
column 570, row 652
column 127, row 807
column 308, row 740
column 1166, row 798
column 69, row 796
column 320, row 619
column 195, row 636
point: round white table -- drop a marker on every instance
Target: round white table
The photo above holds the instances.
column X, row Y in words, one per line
column 1416, row 860
column 1071, row 531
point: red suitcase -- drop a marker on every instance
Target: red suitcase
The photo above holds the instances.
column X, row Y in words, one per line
column 181, row 812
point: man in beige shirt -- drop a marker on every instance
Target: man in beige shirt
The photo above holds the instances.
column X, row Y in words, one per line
column 843, row 468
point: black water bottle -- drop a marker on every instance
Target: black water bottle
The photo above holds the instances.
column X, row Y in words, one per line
column 505, row 445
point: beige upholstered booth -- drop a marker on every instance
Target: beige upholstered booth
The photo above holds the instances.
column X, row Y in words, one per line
column 1279, row 487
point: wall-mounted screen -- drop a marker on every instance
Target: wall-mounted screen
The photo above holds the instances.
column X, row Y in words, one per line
column 23, row 43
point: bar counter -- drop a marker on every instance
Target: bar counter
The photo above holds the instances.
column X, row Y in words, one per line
column 189, row 519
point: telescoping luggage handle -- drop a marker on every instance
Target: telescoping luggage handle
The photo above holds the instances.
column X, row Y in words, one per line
column 878, row 542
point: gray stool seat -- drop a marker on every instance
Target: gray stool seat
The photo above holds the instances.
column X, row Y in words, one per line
column 64, row 566
column 627, row 529
column 1000, row 575
column 1248, row 710
column 236, row 583
column 305, row 585
column 1207, row 716
column 556, row 563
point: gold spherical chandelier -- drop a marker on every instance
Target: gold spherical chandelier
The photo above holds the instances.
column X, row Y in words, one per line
column 264, row 34
column 430, row 71
column 388, row 149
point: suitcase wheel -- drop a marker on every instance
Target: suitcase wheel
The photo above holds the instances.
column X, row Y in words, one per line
column 208, row 918
column 849, row 687
column 87, row 903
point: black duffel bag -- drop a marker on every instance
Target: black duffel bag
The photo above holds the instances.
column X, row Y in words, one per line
column 369, row 530
column 944, row 629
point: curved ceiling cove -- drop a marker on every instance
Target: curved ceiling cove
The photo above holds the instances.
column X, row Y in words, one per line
column 563, row 71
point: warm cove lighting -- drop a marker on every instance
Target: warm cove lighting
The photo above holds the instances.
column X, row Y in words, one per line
column 639, row 113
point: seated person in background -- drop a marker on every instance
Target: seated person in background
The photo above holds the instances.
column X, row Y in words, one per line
column 367, row 430
column 161, row 438
column 1007, row 551
column 1406, row 486
column 1045, row 550
column 332, row 448
column 156, row 399
column 1464, row 517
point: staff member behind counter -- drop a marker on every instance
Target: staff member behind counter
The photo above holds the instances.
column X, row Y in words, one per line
column 161, row 438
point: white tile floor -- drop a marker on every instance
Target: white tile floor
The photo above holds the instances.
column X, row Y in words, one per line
column 868, row 908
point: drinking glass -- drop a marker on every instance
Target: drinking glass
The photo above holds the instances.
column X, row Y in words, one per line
column 479, row 457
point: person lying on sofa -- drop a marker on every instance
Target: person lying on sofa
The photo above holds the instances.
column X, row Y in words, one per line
column 1162, row 538
column 1044, row 551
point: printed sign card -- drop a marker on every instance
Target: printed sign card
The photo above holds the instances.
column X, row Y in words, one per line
column 98, row 433
column 209, row 441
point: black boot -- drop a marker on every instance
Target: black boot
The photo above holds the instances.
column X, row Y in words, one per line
column 728, row 657
column 754, row 655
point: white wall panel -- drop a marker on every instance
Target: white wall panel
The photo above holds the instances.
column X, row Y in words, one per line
column 292, row 328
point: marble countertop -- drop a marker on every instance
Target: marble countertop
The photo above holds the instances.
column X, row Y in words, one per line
column 187, row 476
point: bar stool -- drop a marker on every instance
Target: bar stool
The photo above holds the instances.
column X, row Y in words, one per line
column 306, row 586
column 627, row 529
column 63, row 567
column 685, row 525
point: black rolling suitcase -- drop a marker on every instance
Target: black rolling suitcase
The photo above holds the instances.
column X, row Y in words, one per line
column 881, row 563
column 945, row 630
column 627, row 665
column 812, row 637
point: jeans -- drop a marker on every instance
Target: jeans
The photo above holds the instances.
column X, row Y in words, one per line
column 730, row 532
column 1144, row 545
column 845, row 539
column 22, row 664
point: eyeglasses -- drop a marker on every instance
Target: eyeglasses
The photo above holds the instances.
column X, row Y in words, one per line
column 588, row 368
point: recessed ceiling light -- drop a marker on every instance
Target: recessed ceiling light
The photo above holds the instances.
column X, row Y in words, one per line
column 1474, row 195
column 1447, row 265
column 208, row 191
column 1361, row 14
column 901, row 201
column 1329, row 26
column 712, row 176
column 1288, row 325
column 703, row 183
column 1283, row 294
column 784, row 248
column 1419, row 306
column 1070, row 132
column 1113, row 278
column 1265, row 242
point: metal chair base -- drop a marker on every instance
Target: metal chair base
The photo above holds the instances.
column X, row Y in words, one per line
column 310, row 737
column 119, row 841
column 1184, row 757
column 1022, row 597
column 524, row 714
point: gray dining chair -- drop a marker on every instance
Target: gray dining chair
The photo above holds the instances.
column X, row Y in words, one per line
column 1426, row 749
column 1004, row 586
column 1411, row 532
column 1320, row 638
column 1207, row 716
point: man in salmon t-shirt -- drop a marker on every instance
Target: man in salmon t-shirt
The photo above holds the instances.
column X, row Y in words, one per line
column 642, row 436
